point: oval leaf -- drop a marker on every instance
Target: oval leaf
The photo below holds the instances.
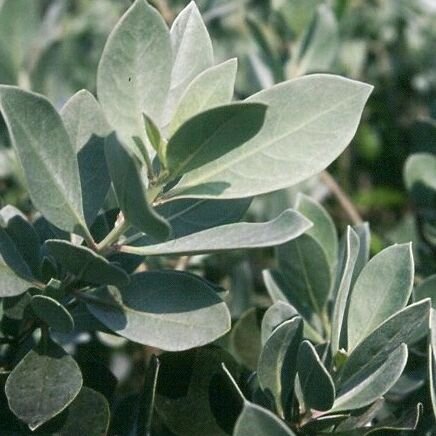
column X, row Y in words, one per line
column 211, row 134
column 309, row 122
column 169, row 310
column 47, row 157
column 257, row 421
column 213, row 87
column 382, row 288
column 134, row 72
column 288, row 225
column 86, row 264
column 54, row 314
column 43, row 384
column 316, row 383
column 276, row 314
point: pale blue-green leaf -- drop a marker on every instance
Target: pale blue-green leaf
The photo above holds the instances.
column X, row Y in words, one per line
column 54, row 314
column 316, row 49
column 342, row 288
column 382, row 288
column 212, row 134
column 304, row 265
column 10, row 284
column 257, row 421
column 323, row 230
column 47, row 157
column 364, row 388
column 276, row 314
column 87, row 128
column 213, row 87
column 85, row 264
column 407, row 326
column 169, row 310
column 290, row 224
column 426, row 289
column 420, row 168
column 134, row 72
column 43, row 384
column 309, row 122
column 278, row 362
column 364, row 234
column 130, row 191
column 316, row 383
column 192, row 54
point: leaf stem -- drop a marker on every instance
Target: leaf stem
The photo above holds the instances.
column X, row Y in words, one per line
column 113, row 236
column 342, row 198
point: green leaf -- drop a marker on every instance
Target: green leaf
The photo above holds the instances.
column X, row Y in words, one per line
column 47, row 157
column 276, row 314
column 407, row 326
column 316, row 383
column 134, row 72
column 364, row 388
column 278, row 362
column 316, row 50
column 85, row 264
column 130, row 192
column 304, row 265
column 213, row 87
column 382, row 288
column 432, row 359
column 309, row 122
column 289, row 224
column 245, row 340
column 153, row 133
column 364, row 234
column 169, row 310
column 24, row 237
column 88, row 414
column 350, row 252
column 420, row 168
column 426, row 289
column 11, row 285
column 257, row 421
column 43, row 384
column 87, row 129
column 192, row 54
column 211, row 134
column 323, row 230
column 54, row 314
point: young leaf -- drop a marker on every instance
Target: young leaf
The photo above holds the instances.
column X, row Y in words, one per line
column 316, row 383
column 278, row 362
column 309, row 122
column 305, row 267
column 169, row 310
column 257, row 421
column 345, row 273
column 130, row 192
column 211, row 134
column 54, row 314
column 153, row 133
column 85, row 264
column 364, row 388
column 43, row 384
column 213, row 87
column 276, row 314
column 404, row 327
column 47, row 157
column 134, row 72
column 382, row 288
column 192, row 54
column 323, row 230
column 288, row 225
column 87, row 129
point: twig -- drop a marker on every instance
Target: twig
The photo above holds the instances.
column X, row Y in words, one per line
column 342, row 198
